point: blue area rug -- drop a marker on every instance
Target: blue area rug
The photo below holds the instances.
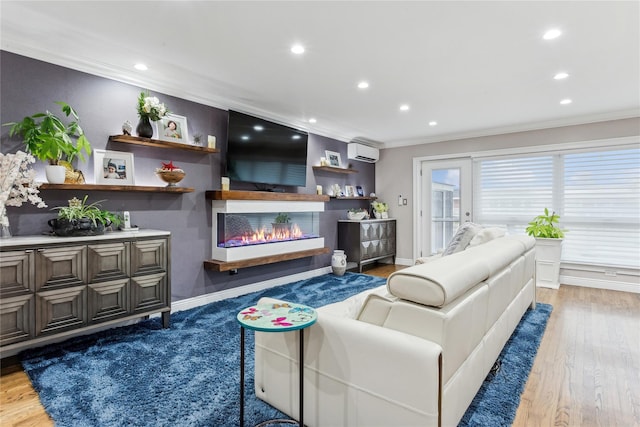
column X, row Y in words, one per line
column 188, row 375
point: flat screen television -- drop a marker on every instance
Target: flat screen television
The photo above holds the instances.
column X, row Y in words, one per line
column 265, row 153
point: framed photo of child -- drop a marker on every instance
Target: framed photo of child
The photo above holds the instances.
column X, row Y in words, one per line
column 173, row 128
column 113, row 167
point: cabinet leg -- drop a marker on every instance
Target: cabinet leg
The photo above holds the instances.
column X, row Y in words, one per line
column 166, row 319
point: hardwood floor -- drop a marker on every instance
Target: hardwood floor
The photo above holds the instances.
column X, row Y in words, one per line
column 586, row 372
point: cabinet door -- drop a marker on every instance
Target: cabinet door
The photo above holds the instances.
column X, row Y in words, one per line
column 16, row 274
column 16, row 314
column 108, row 261
column 108, row 300
column 61, row 267
column 148, row 257
column 60, row 310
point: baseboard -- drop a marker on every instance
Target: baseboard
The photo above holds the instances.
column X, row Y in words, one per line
column 404, row 261
column 600, row 284
column 200, row 300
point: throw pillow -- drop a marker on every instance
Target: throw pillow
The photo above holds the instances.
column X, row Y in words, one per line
column 487, row 234
column 461, row 239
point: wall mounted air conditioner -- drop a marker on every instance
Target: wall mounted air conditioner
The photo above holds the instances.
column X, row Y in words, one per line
column 363, row 153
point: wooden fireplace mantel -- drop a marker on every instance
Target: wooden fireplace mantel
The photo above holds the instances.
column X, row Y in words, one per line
column 216, row 265
column 265, row 195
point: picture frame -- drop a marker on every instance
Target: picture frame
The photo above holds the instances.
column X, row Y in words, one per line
column 349, row 191
column 113, row 167
column 173, row 128
column 359, row 191
column 333, row 159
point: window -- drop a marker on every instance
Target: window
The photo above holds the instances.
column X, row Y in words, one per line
column 595, row 192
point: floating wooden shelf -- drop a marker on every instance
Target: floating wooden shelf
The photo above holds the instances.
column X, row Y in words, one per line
column 102, row 187
column 354, row 198
column 334, row 169
column 216, row 265
column 264, row 195
column 148, row 142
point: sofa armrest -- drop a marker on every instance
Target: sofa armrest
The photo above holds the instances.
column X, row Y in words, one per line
column 375, row 372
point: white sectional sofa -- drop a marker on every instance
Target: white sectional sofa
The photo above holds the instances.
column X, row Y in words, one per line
column 411, row 353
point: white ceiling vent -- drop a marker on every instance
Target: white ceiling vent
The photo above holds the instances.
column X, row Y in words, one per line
column 364, row 153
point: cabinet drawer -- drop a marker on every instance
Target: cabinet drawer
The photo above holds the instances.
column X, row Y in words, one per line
column 61, row 267
column 108, row 261
column 108, row 300
column 148, row 256
column 60, row 310
column 149, row 292
column 15, row 315
column 16, row 274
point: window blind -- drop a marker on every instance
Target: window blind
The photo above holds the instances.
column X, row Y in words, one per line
column 596, row 193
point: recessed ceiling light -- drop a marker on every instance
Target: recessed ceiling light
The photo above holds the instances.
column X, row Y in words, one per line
column 295, row 137
column 561, row 76
column 244, row 137
column 363, row 85
column 141, row 67
column 404, row 107
column 258, row 128
column 433, row 123
column 566, row 101
column 312, row 120
column 298, row 49
column 552, row 34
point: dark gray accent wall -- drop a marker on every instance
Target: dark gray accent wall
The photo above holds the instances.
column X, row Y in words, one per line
column 28, row 86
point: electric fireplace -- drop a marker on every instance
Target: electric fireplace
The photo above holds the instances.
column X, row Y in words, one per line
column 245, row 229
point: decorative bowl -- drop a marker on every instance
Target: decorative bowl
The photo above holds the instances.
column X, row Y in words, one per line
column 171, row 177
column 358, row 216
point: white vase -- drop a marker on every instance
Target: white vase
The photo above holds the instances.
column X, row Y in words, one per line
column 338, row 262
column 548, row 254
column 55, row 174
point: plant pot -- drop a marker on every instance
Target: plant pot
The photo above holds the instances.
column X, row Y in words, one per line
column 80, row 227
column 55, row 174
column 548, row 253
column 282, row 228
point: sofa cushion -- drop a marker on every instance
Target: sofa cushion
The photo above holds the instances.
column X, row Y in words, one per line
column 461, row 239
column 440, row 282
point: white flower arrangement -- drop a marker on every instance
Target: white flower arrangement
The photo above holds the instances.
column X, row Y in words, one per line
column 380, row 206
column 17, row 183
column 151, row 107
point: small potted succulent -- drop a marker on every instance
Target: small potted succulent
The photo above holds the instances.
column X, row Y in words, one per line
column 82, row 219
column 49, row 139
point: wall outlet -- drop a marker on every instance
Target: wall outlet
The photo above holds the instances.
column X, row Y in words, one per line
column 404, row 202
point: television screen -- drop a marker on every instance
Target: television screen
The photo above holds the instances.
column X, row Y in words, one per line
column 263, row 152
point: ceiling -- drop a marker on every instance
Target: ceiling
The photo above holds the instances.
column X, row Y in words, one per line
column 475, row 67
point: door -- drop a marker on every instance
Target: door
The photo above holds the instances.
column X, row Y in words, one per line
column 445, row 202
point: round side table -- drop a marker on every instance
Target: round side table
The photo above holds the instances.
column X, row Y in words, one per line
column 277, row 317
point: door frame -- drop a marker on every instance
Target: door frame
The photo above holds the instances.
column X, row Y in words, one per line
column 418, row 223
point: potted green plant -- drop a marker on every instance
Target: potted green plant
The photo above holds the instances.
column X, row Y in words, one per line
column 82, row 219
column 549, row 237
column 281, row 223
column 49, row 139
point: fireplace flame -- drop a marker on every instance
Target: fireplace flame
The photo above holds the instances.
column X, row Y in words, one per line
column 274, row 235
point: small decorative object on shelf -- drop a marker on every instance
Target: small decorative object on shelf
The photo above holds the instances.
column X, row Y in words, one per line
column 380, row 210
column 127, row 128
column 170, row 174
column 81, row 219
column 149, row 108
column 17, row 185
column 197, row 139
column 357, row 214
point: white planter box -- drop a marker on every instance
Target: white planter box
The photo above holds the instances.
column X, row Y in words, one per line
column 548, row 252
